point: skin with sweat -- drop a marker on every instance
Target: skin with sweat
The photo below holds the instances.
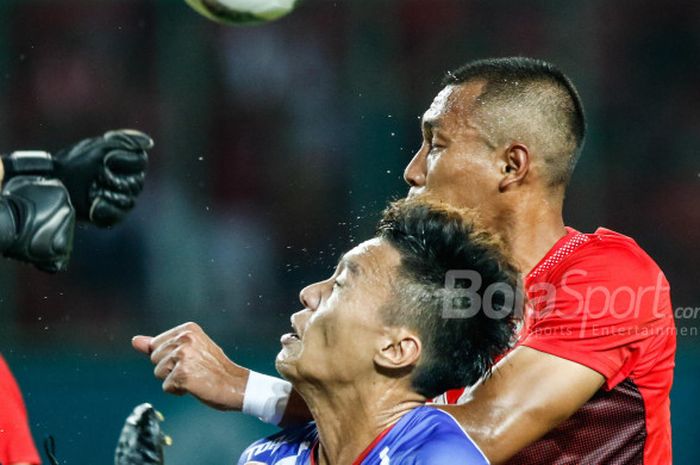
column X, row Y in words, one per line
column 339, row 340
column 529, row 392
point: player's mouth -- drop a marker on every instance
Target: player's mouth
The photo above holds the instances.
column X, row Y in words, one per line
column 291, row 337
column 415, row 191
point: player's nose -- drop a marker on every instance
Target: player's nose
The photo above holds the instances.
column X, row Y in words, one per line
column 310, row 296
column 414, row 174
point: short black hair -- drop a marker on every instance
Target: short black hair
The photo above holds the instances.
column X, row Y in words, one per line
column 541, row 103
column 432, row 239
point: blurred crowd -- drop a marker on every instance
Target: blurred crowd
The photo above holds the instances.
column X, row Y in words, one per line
column 277, row 146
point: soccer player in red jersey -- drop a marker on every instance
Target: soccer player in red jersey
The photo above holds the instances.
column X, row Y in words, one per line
column 592, row 372
column 15, row 437
column 588, row 381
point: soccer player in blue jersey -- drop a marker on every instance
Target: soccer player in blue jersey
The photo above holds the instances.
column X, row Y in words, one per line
column 379, row 338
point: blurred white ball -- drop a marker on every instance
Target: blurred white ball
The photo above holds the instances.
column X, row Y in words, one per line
column 242, row 12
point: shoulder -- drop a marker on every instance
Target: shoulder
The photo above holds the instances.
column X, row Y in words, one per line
column 440, row 439
column 612, row 248
column 612, row 257
column 281, row 447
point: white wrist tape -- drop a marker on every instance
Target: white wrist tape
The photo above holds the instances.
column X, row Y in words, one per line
column 266, row 397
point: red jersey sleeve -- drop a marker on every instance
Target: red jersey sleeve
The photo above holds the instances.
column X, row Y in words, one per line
column 606, row 307
column 16, row 444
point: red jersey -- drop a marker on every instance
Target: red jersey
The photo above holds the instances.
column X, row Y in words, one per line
column 599, row 300
column 16, row 444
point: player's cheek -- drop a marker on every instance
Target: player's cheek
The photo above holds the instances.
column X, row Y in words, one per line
column 440, row 178
column 431, row 168
column 325, row 348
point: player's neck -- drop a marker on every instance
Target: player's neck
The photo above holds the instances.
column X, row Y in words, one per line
column 531, row 230
column 349, row 418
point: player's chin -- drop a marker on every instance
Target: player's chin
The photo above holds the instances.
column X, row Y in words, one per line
column 288, row 357
column 286, row 365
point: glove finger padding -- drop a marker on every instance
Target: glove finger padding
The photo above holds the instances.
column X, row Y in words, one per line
column 109, row 208
column 129, row 185
column 122, row 162
column 44, row 221
column 129, row 139
column 94, row 168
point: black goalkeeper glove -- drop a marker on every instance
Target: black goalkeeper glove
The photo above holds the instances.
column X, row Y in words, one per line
column 141, row 440
column 37, row 222
column 104, row 175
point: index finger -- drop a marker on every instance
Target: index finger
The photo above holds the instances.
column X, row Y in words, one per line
column 170, row 334
column 126, row 162
column 130, row 139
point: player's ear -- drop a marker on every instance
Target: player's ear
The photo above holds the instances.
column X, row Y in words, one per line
column 397, row 348
column 515, row 164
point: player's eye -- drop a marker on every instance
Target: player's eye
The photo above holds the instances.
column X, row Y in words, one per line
column 337, row 284
column 435, row 147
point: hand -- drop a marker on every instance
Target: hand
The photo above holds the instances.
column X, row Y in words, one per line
column 37, row 222
column 104, row 175
column 188, row 361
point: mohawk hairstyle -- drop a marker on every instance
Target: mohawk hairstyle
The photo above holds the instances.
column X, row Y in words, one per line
column 434, row 238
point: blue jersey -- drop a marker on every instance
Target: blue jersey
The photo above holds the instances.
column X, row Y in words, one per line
column 424, row 436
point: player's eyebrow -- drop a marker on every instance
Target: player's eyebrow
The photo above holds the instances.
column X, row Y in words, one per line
column 353, row 266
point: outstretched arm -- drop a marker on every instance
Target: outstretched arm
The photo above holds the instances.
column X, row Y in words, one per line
column 529, row 393
column 189, row 362
column 104, row 175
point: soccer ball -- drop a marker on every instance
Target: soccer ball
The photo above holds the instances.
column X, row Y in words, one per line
column 242, row 12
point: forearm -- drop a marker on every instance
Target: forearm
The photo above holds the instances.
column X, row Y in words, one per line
column 528, row 394
column 268, row 398
column 189, row 362
column 498, row 431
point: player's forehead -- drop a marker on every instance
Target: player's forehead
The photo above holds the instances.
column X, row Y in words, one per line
column 452, row 105
column 372, row 259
